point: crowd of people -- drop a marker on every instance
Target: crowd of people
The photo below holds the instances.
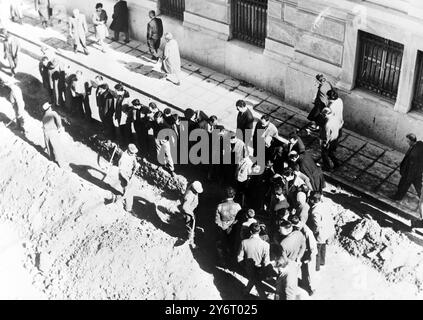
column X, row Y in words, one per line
column 276, row 224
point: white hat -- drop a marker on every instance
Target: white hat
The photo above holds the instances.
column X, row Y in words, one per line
column 46, row 106
column 132, row 148
column 197, row 186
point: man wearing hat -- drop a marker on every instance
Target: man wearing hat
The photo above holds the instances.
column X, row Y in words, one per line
column 189, row 204
column 11, row 50
column 52, row 126
column 128, row 166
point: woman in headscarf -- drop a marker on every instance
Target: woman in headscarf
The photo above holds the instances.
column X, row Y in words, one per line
column 171, row 59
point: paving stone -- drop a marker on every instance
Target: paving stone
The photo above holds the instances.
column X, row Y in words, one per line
column 209, row 96
column 206, row 72
column 114, row 45
column 285, row 129
column 395, row 177
column 231, row 82
column 276, row 122
column 353, row 143
column 368, row 182
column 237, row 95
column 411, row 203
column 191, row 66
column 298, row 121
column 372, row 151
column 380, row 170
column 343, row 154
column 219, row 77
column 392, row 158
column 134, row 44
column 196, row 92
column 266, row 107
column 387, row 189
column 360, row 161
column 251, row 100
column 260, row 93
column 347, row 172
column 275, row 99
column 247, row 87
column 282, row 113
column 124, row 49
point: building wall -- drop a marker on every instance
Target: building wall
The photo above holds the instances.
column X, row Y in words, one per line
column 304, row 37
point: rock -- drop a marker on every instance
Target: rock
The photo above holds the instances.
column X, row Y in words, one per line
column 360, row 230
column 385, row 254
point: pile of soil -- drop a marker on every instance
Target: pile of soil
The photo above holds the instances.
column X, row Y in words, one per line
column 79, row 248
column 389, row 251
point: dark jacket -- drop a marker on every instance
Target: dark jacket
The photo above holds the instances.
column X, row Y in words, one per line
column 155, row 29
column 299, row 147
column 105, row 103
column 306, row 165
column 120, row 17
column 245, row 121
column 412, row 164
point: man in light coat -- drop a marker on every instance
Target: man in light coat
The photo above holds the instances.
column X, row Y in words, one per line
column 171, row 60
column 78, row 30
column 188, row 205
column 329, row 135
column 11, row 50
column 322, row 224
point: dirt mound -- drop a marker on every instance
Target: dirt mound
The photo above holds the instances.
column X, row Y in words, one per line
column 387, row 250
column 79, row 248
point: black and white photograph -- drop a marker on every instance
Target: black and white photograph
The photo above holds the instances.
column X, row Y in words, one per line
column 211, row 150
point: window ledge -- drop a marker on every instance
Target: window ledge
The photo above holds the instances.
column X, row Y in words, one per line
column 246, row 45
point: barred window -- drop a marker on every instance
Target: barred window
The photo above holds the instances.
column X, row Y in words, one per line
column 249, row 19
column 173, row 8
column 417, row 104
column 379, row 64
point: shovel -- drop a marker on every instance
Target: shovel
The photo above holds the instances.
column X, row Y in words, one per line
column 109, row 164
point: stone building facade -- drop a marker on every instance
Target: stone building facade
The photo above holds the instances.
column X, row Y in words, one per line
column 303, row 38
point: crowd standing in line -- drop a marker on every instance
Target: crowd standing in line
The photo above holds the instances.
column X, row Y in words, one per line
column 276, row 225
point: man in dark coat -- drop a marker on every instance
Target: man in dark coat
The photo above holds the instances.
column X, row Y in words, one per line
column 245, row 119
column 305, row 164
column 154, row 34
column 411, row 168
column 120, row 21
column 106, row 107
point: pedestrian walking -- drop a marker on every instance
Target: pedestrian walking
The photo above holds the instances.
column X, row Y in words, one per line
column 171, row 64
column 100, row 25
column 45, row 11
column 52, row 127
column 411, row 168
column 16, row 11
column 78, row 30
column 154, row 34
column 329, row 136
column 11, row 50
column 120, row 21
column 320, row 102
column 188, row 205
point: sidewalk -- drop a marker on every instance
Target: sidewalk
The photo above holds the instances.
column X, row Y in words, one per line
column 367, row 166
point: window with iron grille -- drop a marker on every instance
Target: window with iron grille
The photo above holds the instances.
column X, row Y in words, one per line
column 249, row 19
column 417, row 103
column 379, row 64
column 173, row 8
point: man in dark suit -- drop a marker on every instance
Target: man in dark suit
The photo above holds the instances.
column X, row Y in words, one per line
column 245, row 119
column 411, row 168
column 120, row 21
column 154, row 34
